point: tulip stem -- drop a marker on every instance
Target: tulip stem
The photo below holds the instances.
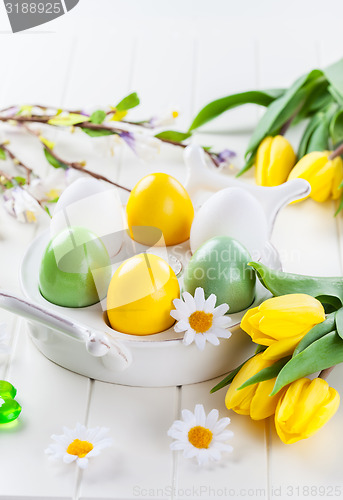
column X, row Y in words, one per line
column 325, row 373
column 336, row 152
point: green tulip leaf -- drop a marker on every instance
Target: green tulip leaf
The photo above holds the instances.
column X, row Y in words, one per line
column 97, row 133
column 247, row 165
column 283, row 108
column 336, row 127
column 305, row 139
column 219, row 106
column 334, row 74
column 321, row 354
column 2, row 154
column 173, row 136
column 53, row 161
column 317, row 332
column 98, row 116
column 340, row 206
column 339, row 322
column 319, row 139
column 327, row 290
column 129, row 102
column 267, row 373
column 317, row 99
column 229, row 378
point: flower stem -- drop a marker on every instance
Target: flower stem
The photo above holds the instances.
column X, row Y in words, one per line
column 18, row 162
column 325, row 373
column 337, row 152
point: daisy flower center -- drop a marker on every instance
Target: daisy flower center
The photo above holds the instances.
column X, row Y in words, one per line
column 201, row 321
column 200, row 437
column 79, row 448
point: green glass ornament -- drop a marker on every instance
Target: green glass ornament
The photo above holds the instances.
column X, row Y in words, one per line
column 9, row 408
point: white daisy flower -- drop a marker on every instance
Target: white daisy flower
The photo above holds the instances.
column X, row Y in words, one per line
column 78, row 444
column 4, row 348
column 201, row 436
column 200, row 319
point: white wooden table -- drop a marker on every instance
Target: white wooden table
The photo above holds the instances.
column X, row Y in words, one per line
column 171, row 61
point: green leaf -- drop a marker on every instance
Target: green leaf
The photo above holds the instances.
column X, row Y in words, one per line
column 173, row 135
column 2, row 154
column 327, row 290
column 317, row 99
column 97, row 133
column 334, row 74
column 53, row 161
column 319, row 140
column 336, row 127
column 219, row 106
column 98, row 116
column 68, row 120
column 129, row 102
column 317, row 332
column 340, row 206
column 321, row 354
column 304, row 142
column 229, row 378
column 283, row 108
column 21, row 181
column 339, row 322
column 336, row 95
column 247, row 166
column 266, row 374
column 46, row 208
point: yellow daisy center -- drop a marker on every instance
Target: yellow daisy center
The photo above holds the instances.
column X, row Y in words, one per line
column 200, row 437
column 30, row 216
column 201, row 321
column 79, row 448
column 175, row 114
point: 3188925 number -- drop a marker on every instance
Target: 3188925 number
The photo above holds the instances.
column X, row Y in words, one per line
column 33, row 8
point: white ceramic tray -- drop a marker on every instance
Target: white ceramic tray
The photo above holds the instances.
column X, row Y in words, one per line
column 154, row 360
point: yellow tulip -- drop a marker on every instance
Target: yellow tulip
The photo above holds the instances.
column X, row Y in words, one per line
column 253, row 400
column 281, row 322
column 304, row 408
column 275, row 159
column 324, row 175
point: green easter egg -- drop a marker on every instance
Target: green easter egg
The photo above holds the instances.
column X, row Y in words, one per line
column 75, row 269
column 220, row 266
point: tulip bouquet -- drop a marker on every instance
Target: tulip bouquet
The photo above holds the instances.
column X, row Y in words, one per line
column 298, row 332
column 316, row 97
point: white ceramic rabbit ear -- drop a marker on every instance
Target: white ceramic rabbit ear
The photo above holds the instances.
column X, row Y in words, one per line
column 272, row 199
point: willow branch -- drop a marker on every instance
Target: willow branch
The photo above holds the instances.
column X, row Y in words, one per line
column 18, row 162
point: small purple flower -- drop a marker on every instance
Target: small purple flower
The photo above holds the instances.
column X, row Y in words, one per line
column 226, row 155
column 129, row 138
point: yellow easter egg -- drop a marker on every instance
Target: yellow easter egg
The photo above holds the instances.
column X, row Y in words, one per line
column 159, row 201
column 140, row 296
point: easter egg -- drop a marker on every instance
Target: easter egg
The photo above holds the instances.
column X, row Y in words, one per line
column 92, row 204
column 75, row 270
column 140, row 296
column 159, row 201
column 231, row 212
column 220, row 266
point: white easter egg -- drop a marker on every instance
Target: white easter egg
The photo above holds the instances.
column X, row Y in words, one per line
column 231, row 212
column 95, row 205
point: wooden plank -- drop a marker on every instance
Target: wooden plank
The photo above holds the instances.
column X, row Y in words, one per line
column 240, row 473
column 51, row 397
column 139, row 465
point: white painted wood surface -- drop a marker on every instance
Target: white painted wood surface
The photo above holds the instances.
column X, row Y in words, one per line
column 171, row 63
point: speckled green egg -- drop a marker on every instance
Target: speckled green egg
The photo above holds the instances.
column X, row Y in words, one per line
column 75, row 269
column 220, row 266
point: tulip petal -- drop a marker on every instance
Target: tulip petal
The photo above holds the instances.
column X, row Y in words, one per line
column 262, row 161
column 263, row 405
column 281, row 161
column 281, row 348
